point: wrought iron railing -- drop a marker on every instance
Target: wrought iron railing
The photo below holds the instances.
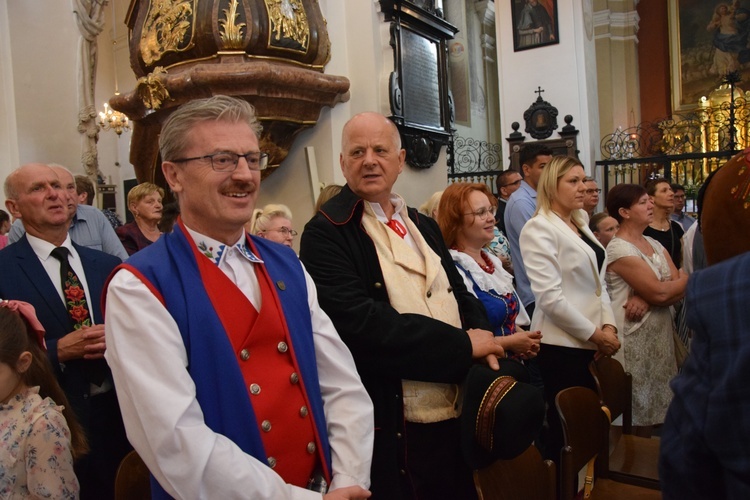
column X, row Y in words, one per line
column 470, row 160
column 684, row 148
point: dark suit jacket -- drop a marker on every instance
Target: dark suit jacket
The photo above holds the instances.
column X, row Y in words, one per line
column 387, row 346
column 22, row 277
column 704, row 443
column 500, row 214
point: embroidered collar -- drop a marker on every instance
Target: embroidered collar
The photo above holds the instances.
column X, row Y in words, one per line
column 216, row 251
column 501, row 281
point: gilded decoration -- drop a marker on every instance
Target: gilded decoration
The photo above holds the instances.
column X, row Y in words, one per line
column 151, row 89
column 289, row 28
column 165, row 28
column 231, row 31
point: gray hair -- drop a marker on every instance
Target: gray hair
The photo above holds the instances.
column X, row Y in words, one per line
column 173, row 138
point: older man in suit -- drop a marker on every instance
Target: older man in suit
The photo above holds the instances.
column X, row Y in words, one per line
column 391, row 288
column 69, row 310
column 88, row 226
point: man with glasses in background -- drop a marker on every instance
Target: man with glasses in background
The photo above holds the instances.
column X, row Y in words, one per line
column 234, row 382
column 678, row 213
column 591, row 196
column 508, row 182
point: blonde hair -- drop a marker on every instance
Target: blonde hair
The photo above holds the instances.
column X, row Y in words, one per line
column 546, row 190
column 326, row 194
column 141, row 191
column 428, row 207
column 262, row 218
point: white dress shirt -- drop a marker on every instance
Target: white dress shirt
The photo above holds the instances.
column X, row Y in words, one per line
column 164, row 421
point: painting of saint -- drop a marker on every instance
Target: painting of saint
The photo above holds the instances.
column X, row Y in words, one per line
column 712, row 40
column 534, row 23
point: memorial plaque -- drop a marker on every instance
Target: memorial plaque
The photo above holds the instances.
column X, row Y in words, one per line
column 421, row 106
column 420, row 86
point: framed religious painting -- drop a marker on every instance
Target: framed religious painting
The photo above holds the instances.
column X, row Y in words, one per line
column 707, row 40
column 534, row 23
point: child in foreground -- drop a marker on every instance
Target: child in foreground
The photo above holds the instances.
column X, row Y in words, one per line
column 37, row 444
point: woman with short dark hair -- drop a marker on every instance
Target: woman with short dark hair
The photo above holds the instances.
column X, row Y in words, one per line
column 639, row 265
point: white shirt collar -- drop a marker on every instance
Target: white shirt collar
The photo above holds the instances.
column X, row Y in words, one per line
column 398, row 205
column 215, row 250
column 43, row 248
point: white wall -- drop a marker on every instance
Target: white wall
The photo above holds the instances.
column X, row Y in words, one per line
column 360, row 51
column 8, row 135
column 38, row 78
column 566, row 72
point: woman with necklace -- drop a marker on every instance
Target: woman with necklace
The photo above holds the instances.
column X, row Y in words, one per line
column 144, row 202
column 639, row 265
column 466, row 219
column 662, row 228
column 565, row 265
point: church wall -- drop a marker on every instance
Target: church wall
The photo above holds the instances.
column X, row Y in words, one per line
column 561, row 70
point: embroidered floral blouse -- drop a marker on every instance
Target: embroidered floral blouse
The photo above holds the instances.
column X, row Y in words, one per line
column 35, row 458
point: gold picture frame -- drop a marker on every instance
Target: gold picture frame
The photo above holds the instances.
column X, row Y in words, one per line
column 696, row 64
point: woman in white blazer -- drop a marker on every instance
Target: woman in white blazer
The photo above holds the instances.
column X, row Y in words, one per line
column 566, row 264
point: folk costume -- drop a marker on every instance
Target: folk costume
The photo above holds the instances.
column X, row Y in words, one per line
column 402, row 309
column 228, row 400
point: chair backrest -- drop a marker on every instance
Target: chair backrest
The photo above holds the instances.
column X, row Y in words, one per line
column 527, row 476
column 132, row 481
column 615, row 387
column 585, row 430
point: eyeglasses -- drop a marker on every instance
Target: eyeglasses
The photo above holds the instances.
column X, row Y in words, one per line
column 482, row 213
column 592, row 191
column 226, row 161
column 285, row 231
column 514, row 183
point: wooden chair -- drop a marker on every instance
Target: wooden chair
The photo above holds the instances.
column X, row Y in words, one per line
column 132, row 480
column 632, row 459
column 525, row 477
column 586, row 429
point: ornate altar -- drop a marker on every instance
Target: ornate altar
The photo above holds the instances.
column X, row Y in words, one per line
column 268, row 52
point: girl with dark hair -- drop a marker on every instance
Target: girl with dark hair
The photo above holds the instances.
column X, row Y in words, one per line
column 37, row 445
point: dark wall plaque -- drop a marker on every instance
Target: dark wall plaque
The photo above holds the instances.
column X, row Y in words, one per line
column 421, row 106
column 421, row 80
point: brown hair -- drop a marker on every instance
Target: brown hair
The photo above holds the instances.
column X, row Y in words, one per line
column 595, row 220
column 85, row 185
column 623, row 196
column 453, row 205
column 15, row 338
column 651, row 185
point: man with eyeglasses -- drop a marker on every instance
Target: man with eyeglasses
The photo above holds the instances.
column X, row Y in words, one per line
column 508, row 182
column 390, row 286
column 590, row 196
column 234, row 383
column 678, row 213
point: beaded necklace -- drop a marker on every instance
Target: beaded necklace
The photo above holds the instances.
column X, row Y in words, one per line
column 488, row 267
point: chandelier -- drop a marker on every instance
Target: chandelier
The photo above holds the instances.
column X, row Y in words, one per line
column 109, row 119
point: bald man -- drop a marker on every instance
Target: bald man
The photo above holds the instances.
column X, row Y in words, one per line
column 389, row 284
column 30, row 270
